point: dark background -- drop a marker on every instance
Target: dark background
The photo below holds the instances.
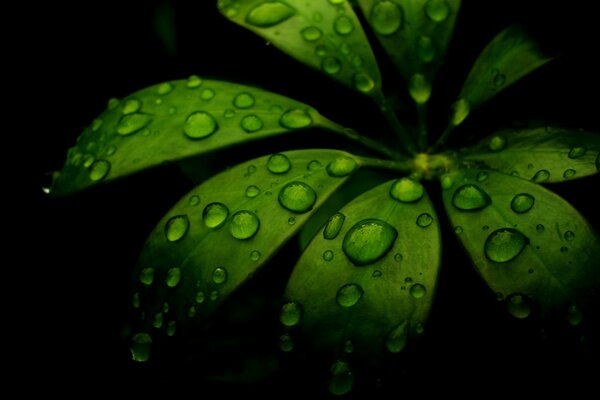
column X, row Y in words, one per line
column 70, row 288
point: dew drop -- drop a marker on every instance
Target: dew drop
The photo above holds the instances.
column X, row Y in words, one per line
column 407, row 190
column 458, row 229
column 574, row 315
column 132, row 123
column 348, row 347
column 569, row 236
column 269, row 14
column 341, row 166
column 297, row 197
column 311, row 33
column 447, row 182
column 164, row 88
column 314, row 165
column 290, row 314
column 398, row 257
column 229, row 113
column 539, row 228
column 328, row 255
column 368, row 241
column 417, row 291
column 321, row 51
column 541, row 176
column 577, row 152
column 214, row 215
column 194, row 82
column 157, row 322
column 255, row 255
column 291, row 221
column 295, row 119
column 171, row 328
column 278, row 164
column 397, row 338
column 214, row 295
column 377, row 274
column 519, row 305
column 191, row 312
column 219, row 275
column 363, row 82
column 286, row 343
column 199, row 125
column 522, row 203
column 437, row 10
column 207, row 94
column 386, row 18
column 419, row 88
column 470, row 197
column 99, row 170
column 252, row 191
column 424, row 220
column 110, row 150
column 140, row 347
column 113, row 103
column 194, row 200
column 425, row 49
column 131, row 106
column 504, row 245
column 334, row 225
column 569, row 173
column 342, row 380
column 251, row 123
column 200, row 297
column 176, row 228
column 173, row 277
column 460, row 110
column 497, row 143
column 244, row 225
column 481, row 176
column 244, row 100
column 331, row 65
column 499, row 80
column 343, row 26
column 147, row 276
column 96, row 124
column 349, row 294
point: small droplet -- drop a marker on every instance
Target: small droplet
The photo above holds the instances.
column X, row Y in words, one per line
column 244, row 225
column 460, row 110
column 194, row 200
column 348, row 295
column 424, row 220
column 577, row 152
column 447, row 182
column 574, row 315
column 132, row 123
column 417, row 291
column 157, row 322
column 191, row 312
column 251, row 123
column 341, row 166
column 214, row 215
column 386, row 18
column 470, row 197
column 504, row 245
column 499, row 80
column 136, row 300
column 200, row 125
column 244, row 100
column 113, row 103
column 363, row 82
column 99, row 170
column 407, row 190
column 278, row 164
column 200, row 297
column 252, row 191
column 131, row 106
column 343, row 26
column 458, row 229
column 171, row 328
column 295, row 119
column 541, row 176
column 569, row 236
column 419, row 88
column 539, row 228
column 311, row 33
column 286, row 343
column 140, row 347
column 348, row 347
column 377, row 274
column 214, row 295
column 368, row 241
column 176, row 227
column 328, row 255
column 173, row 277
column 291, row 221
column 194, row 82
column 255, row 255
column 110, row 150
column 297, row 197
column 398, row 257
column 397, row 338
column 485, row 228
column 481, row 176
column 497, row 143
column 290, row 314
column 437, row 10
column 321, row 51
column 426, row 49
column 569, row 173
column 164, row 88
column 96, row 124
column 334, row 225
column 342, row 380
column 147, row 276
column 564, row 249
column 207, row 94
column 219, row 275
column 269, row 14
column 519, row 305
column 229, row 113
column 331, row 65
column 522, row 203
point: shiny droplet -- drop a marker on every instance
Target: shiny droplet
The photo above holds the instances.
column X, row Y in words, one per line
column 481, row 176
column 96, row 124
column 541, row 176
column 341, row 166
column 99, row 170
column 269, row 14
column 368, row 241
column 278, row 164
column 164, row 88
column 348, row 295
column 426, row 49
column 499, row 80
column 328, row 255
column 295, row 119
column 504, row 245
column 207, row 94
column 214, row 295
column 460, row 110
column 147, row 276
column 255, row 255
column 219, row 275
column 194, row 81
column 286, row 343
column 290, row 314
column 397, row 338
column 244, row 225
column 291, row 221
column 110, row 150
column 113, row 103
column 200, row 125
column 321, row 51
column 458, row 229
column 297, row 197
column 417, row 291
column 342, row 380
column 252, row 191
column 334, row 225
column 386, row 18
column 229, row 113
column 331, row 65
column 577, row 152
column 519, row 306
column 539, row 228
column 176, row 227
column 140, row 347
column 132, row 123
column 311, row 33
column 343, row 26
column 419, row 88
column 522, row 203
column 447, row 182
column 251, row 123
column 131, row 106
column 244, row 100
column 407, row 190
column 377, row 274
column 314, row 165
column 173, row 277
column 194, row 200
column 200, row 297
column 437, row 10
column 497, row 143
column 424, row 220
column 569, row 236
column 214, row 215
column 470, row 198
column 363, row 82
column 569, row 173
column 157, row 322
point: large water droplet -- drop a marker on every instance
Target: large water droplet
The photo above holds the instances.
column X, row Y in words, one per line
column 297, row 197
column 331, row 65
column 437, row 10
column 291, row 313
column 341, row 380
column 396, row 340
column 295, row 119
column 577, row 152
column 147, row 276
column 173, row 277
column 519, row 305
column 470, row 198
column 132, row 123
column 341, row 166
column 140, row 347
column 200, row 125
column 424, row 220
column 269, row 14
column 334, row 225
column 130, row 106
column 417, row 291
column 328, row 255
column 311, row 33
column 99, row 170
column 286, row 343
column 419, row 88
column 522, row 203
column 368, row 241
column 279, row 163
column 343, row 25
column 363, row 82
column 460, row 110
column 541, row 176
column 244, row 100
column 407, row 190
column 425, row 49
column 504, row 245
column 386, row 18
column 569, row 173
column 244, row 225
column 214, row 215
column 219, row 275
column 164, row 88
column 177, row 227
column 251, row 123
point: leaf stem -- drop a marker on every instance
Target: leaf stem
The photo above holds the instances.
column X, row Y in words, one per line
column 377, row 163
column 406, row 142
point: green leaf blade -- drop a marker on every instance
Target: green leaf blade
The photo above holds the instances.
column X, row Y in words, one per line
column 324, row 35
column 544, row 155
column 375, row 293
column 533, row 249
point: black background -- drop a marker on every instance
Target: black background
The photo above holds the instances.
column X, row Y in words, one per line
column 71, row 286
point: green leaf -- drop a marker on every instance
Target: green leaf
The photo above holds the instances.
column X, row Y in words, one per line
column 175, row 120
column 326, row 35
column 533, row 249
column 372, row 280
column 224, row 230
column 540, row 154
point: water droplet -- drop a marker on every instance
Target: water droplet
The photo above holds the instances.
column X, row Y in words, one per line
column 368, row 241
column 497, row 143
column 219, row 275
column 194, row 81
column 311, row 33
column 252, row 191
column 136, row 300
column 460, row 110
column 191, row 312
column 147, row 276
column 363, row 82
column 194, row 200
column 569, row 236
column 291, row 220
column 99, row 170
column 348, row 295
column 417, row 291
column 574, row 315
column 173, row 277
column 336, row 2
column 564, row 249
column 131, row 106
column 177, row 227
column 437, row 10
column 396, row 340
column 157, row 322
column 317, row 16
column 214, row 295
column 569, row 173
column 214, row 215
column 229, row 113
column 386, row 18
column 342, row 380
column 539, row 228
column 297, row 197
column 171, row 327
column 485, row 228
column 348, row 347
column 110, row 150
column 447, row 182
column 504, row 245
column 458, row 229
column 499, row 80
column 295, row 119
column 398, row 257
column 541, row 176
column 96, row 124
column 522, row 203
column 419, row 88
column 334, row 225
column 286, row 343
column 200, row 125
column 251, row 123
column 132, row 123
column 244, row 225
column 328, row 255
column 407, row 190
column 519, row 305
column 377, row 274
column 577, row 152
column 172, row 110
column 343, row 25
column 408, row 279
column 470, row 198
column 331, row 65
column 113, row 103
column 278, row 164
column 481, row 176
column 321, row 51
column 140, row 347
column 291, row 313
column 207, row 94
column 200, row 297
column 499, row 296
column 269, row 14
column 341, row 166
column 426, row 49
column 164, row 88
column 255, row 255
column 244, row 100
column 424, row 220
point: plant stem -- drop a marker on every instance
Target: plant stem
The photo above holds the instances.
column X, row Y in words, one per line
column 422, row 129
column 406, row 142
column 397, row 166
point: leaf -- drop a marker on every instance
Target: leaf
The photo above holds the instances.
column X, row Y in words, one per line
column 415, row 33
column 372, row 282
column 325, row 35
column 533, row 249
column 224, row 230
column 175, row 120
column 540, row 154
